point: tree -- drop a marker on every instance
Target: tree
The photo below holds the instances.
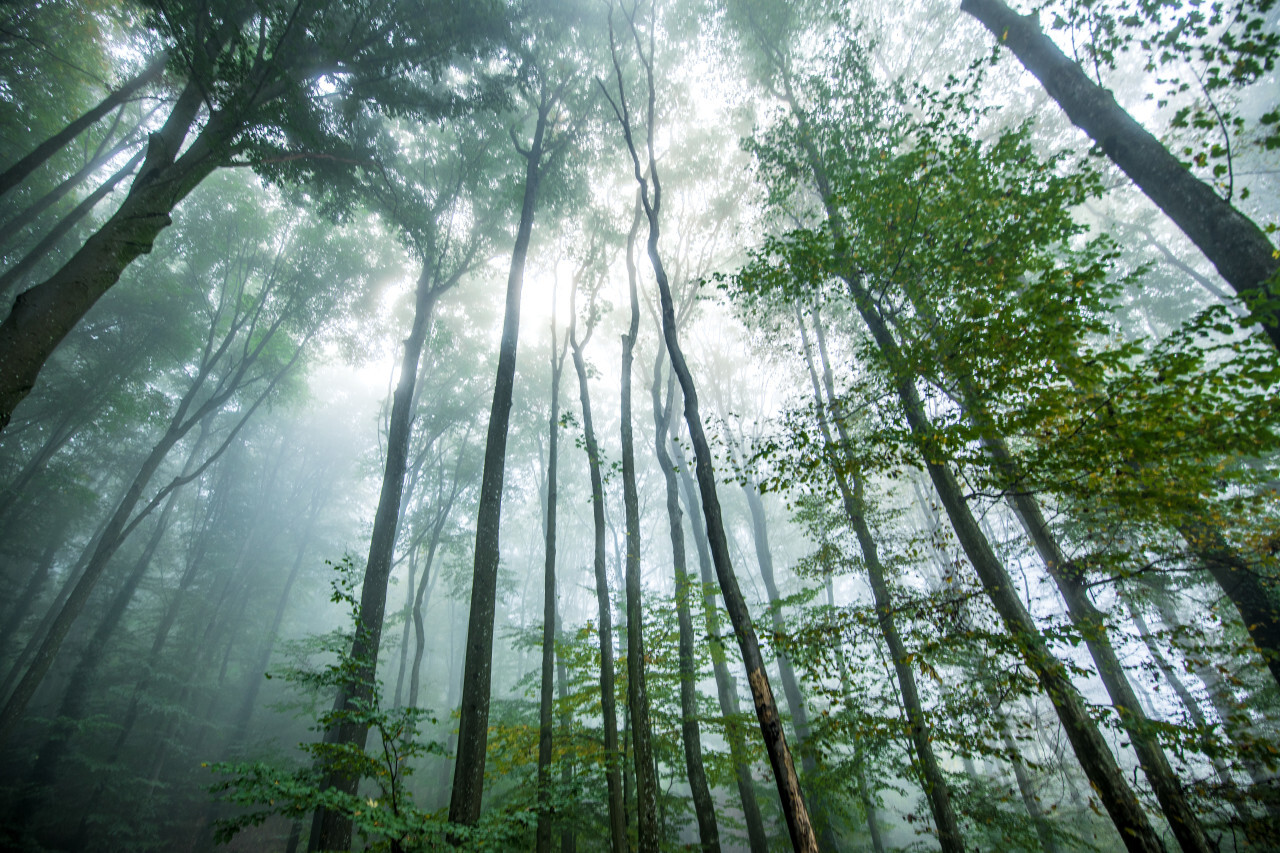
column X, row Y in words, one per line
column 255, row 73
column 1237, row 247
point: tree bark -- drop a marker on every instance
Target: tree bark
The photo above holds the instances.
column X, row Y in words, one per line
column 840, row 457
column 726, row 689
column 691, row 736
column 547, row 687
column 43, row 315
column 331, row 829
column 14, row 275
column 647, row 829
column 613, row 760
column 473, row 727
column 1234, row 244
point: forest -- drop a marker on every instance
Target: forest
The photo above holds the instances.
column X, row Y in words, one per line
column 528, row 425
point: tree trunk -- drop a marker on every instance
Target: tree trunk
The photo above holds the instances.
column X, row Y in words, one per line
column 331, row 830
column 648, row 831
column 726, row 689
column 43, row 315
column 691, row 736
column 547, row 686
column 473, row 727
column 18, row 172
column 1092, row 624
column 932, row 781
column 1235, row 245
column 613, row 772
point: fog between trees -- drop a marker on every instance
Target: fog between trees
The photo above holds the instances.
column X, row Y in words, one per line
column 570, row 425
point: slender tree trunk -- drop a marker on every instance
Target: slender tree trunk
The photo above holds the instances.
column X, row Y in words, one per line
column 691, row 737
column 568, row 838
column 648, row 831
column 18, row 172
column 726, row 689
column 21, row 608
column 473, row 728
column 842, row 460
column 331, row 829
column 545, row 697
column 1231, row 241
column 604, row 609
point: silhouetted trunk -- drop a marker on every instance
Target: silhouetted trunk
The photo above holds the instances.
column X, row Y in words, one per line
column 1231, row 241
column 21, row 608
column 1241, row 583
column 43, row 315
column 568, row 838
column 331, row 830
column 775, row 739
column 604, row 610
column 14, row 275
column 691, row 737
column 844, row 466
column 547, row 686
column 473, row 727
column 18, row 172
column 28, row 215
column 648, row 832
column 726, row 689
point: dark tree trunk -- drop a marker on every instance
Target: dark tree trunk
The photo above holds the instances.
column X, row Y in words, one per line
column 726, row 689
column 42, row 316
column 842, row 460
column 20, row 220
column 41, row 250
column 547, row 686
column 799, row 826
column 331, row 830
column 1231, row 241
column 568, row 838
column 613, row 759
column 648, row 831
column 473, row 727
column 18, row 172
column 691, row 737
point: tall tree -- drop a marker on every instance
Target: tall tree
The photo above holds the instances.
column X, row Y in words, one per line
column 545, row 97
column 1239, row 249
column 798, row 824
column 271, row 97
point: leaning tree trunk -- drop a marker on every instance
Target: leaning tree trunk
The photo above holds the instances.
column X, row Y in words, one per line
column 648, row 832
column 43, row 315
column 331, row 829
column 1070, row 582
column 842, row 460
column 1234, row 243
column 726, row 689
column 14, row 275
column 547, row 687
column 473, row 727
column 703, row 804
column 1091, row 750
column 794, row 810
